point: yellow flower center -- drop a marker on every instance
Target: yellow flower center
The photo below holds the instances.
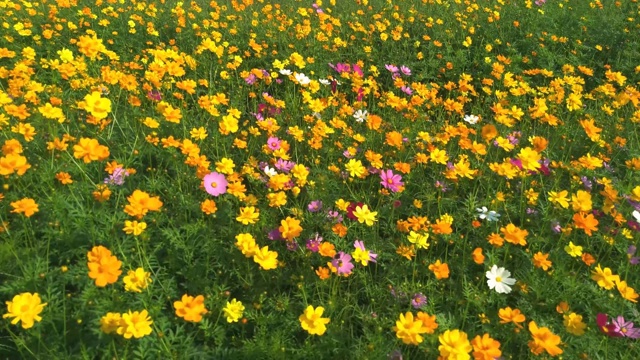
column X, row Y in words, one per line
column 498, row 279
column 214, row 184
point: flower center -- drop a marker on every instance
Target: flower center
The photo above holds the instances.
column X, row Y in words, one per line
column 214, row 184
column 498, row 279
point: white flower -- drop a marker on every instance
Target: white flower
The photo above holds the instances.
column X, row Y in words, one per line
column 471, row 119
column 360, row 115
column 484, row 213
column 498, row 278
column 270, row 171
column 302, row 79
column 285, row 72
column 636, row 214
column 324, row 81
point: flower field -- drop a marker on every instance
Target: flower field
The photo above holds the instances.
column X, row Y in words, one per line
column 338, row 179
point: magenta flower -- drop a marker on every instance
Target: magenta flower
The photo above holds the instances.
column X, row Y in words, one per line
column 313, row 244
column 342, row 262
column 390, row 180
column 405, row 70
column 625, row 328
column 215, row 184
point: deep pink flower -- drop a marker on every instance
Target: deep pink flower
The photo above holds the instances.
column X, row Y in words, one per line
column 351, row 208
column 605, row 326
column 390, row 180
column 215, row 184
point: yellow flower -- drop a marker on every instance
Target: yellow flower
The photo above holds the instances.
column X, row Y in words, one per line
column 355, row 168
column 573, row 323
column 605, row 278
column 409, row 328
column 137, row 280
column 420, row 240
column 233, row 311
column 559, row 198
column 110, row 322
column 190, row 308
column 454, row 345
column 573, row 250
column 135, row 324
column 626, row 291
column 248, row 215
column 364, row 215
column 247, row 244
column 96, row 105
column 24, row 308
column 134, row 227
column 268, row 260
column 312, row 320
column 581, row 201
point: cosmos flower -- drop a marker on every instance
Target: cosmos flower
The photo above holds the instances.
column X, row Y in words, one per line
column 215, row 184
column 498, row 278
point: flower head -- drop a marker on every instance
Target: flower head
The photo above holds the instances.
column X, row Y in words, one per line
column 361, row 254
column 625, row 328
column 454, row 344
column 135, row 324
column 215, row 184
column 498, row 278
column 543, row 340
column 342, row 262
column 190, row 308
column 390, row 180
column 233, row 311
column 418, row 300
column 25, row 308
column 312, row 320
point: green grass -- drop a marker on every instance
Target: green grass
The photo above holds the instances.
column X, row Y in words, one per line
column 550, row 51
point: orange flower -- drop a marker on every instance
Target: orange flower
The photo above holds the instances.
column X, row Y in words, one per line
column 543, row 340
column 64, row 178
column 588, row 223
column 27, row 206
column 588, row 259
column 478, row 258
column 514, row 234
column 327, row 249
column 208, row 207
column 13, row 163
column 495, row 240
column 290, row 228
column 339, row 229
column 104, row 268
column 485, row 348
column 508, row 315
column 102, row 193
column 440, row 270
column 90, row 150
column 140, row 203
column 540, row 261
column 323, row 273
column 190, row 308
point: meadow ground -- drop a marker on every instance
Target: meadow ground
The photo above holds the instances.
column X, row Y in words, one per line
column 343, row 179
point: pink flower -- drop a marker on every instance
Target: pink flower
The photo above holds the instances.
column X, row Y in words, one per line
column 342, row 263
column 390, row 180
column 215, row 184
column 273, row 143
